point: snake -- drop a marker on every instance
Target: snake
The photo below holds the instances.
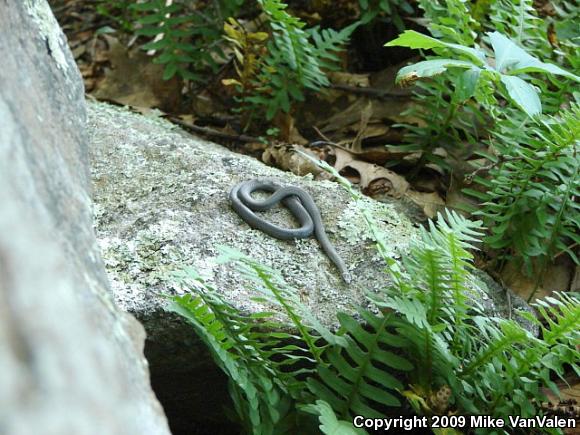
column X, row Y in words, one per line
column 300, row 204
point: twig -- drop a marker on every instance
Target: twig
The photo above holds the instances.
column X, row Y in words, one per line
column 563, row 251
column 322, row 135
column 370, row 92
column 214, row 133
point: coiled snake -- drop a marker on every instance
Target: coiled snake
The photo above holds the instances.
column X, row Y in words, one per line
column 298, row 201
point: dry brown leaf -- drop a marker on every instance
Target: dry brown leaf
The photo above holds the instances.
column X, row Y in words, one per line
column 350, row 79
column 344, row 125
column 286, row 157
column 288, row 131
column 556, row 278
column 396, row 185
column 430, row 203
column 149, row 91
column 379, row 155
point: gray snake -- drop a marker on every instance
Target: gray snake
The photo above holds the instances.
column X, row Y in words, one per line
column 298, row 201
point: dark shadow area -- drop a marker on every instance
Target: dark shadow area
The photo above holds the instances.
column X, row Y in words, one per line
column 191, row 388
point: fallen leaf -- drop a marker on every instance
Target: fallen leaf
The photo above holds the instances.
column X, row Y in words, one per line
column 350, row 79
column 430, row 203
column 368, row 173
column 286, row 157
column 149, row 91
column 557, row 278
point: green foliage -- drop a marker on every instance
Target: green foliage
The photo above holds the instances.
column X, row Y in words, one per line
column 493, row 367
column 529, row 202
column 450, row 20
column 243, row 348
column 350, row 381
column 119, row 11
column 295, row 61
column 185, row 41
column 510, row 63
column 519, row 21
column 449, row 119
column 188, row 39
column 387, row 10
column 329, row 424
column 424, row 338
column 464, row 107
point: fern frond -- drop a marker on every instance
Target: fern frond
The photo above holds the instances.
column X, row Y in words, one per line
column 184, row 41
column 504, row 340
column 562, row 315
column 273, row 289
column 295, row 60
column 329, row 423
column 426, row 265
column 329, row 42
column 450, row 20
column 356, row 380
column 292, row 45
column 518, row 19
column 261, row 397
column 529, row 204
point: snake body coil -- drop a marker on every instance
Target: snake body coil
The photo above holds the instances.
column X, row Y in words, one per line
column 298, row 201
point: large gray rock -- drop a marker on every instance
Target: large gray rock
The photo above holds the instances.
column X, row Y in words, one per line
column 71, row 362
column 161, row 204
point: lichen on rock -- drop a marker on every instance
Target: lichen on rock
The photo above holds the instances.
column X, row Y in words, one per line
column 48, row 29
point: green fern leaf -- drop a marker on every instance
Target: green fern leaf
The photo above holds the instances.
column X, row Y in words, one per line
column 351, row 381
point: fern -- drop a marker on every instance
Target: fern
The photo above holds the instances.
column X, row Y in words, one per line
column 350, row 381
column 531, row 190
column 487, row 363
column 559, row 321
column 329, row 42
column 119, row 11
column 529, row 201
column 295, row 61
column 562, row 315
column 329, row 423
column 450, row 20
column 185, row 41
column 240, row 349
column 273, row 290
column 291, row 42
column 518, row 19
column 438, row 269
column 402, row 351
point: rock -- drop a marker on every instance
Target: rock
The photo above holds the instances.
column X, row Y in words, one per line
column 161, row 204
column 71, row 362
